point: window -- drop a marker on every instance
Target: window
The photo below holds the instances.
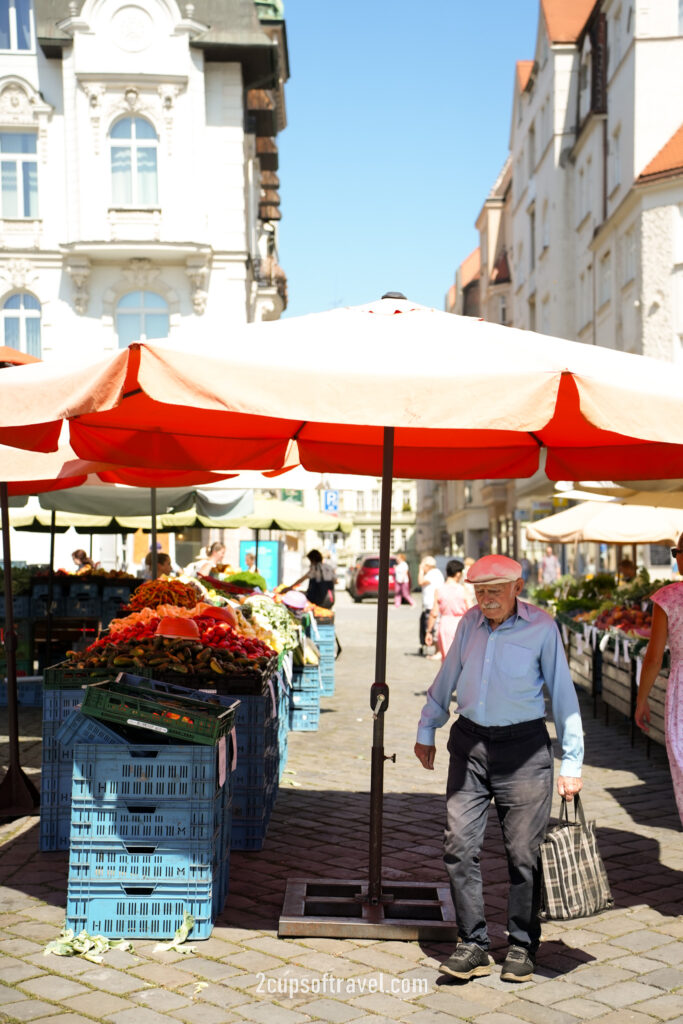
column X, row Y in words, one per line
column 615, row 159
column 374, row 501
column 360, row 501
column 532, row 150
column 15, row 25
column 375, row 540
column 605, row 279
column 21, row 327
column 134, row 145
column 407, row 503
column 19, row 172
column 141, row 316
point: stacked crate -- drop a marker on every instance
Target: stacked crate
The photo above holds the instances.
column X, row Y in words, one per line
column 304, row 699
column 326, row 644
column 149, row 831
column 39, row 599
column 256, row 773
column 83, row 599
column 114, row 598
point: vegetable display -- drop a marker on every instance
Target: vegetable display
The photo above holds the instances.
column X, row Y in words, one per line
column 274, row 617
column 163, row 591
column 219, row 650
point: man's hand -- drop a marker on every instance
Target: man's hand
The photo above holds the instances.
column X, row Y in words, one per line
column 425, row 755
column 568, row 787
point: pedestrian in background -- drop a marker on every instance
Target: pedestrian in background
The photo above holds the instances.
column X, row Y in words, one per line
column 449, row 607
column 429, row 578
column 402, row 581
column 667, row 627
column 549, row 567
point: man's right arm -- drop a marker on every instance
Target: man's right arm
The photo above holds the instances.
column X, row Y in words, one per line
column 436, row 710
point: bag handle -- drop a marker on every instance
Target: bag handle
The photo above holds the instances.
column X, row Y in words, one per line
column 578, row 810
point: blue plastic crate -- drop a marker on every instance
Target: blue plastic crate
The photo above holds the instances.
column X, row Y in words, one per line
column 304, row 699
column 58, row 704
column 306, row 677
column 168, row 819
column 55, row 785
column 80, row 728
column 135, row 911
column 119, row 591
column 147, row 772
column 82, row 588
column 39, row 606
column 112, row 608
column 55, row 828
column 251, row 772
column 79, row 606
column 253, row 805
column 304, row 719
column 21, row 606
column 248, row 836
column 29, row 691
column 190, row 861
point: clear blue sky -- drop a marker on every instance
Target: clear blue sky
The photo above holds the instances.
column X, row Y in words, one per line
column 398, row 124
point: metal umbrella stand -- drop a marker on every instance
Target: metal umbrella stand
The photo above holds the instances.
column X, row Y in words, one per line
column 369, row 908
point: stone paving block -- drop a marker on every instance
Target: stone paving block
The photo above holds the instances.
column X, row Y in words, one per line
column 668, row 978
column 535, row 1013
column 137, row 1015
column 53, row 987
column 453, row 1000
column 215, row 970
column 271, row 1013
column 595, row 977
column 34, row 930
column 252, row 960
column 639, row 965
column 641, row 940
column 496, row 1017
column 671, row 953
column 164, row 975
column 97, row 1004
column 285, row 949
column 582, row 1007
column 380, row 1002
column 64, row 1018
column 27, row 1009
column 337, row 966
column 625, row 994
column 202, row 1013
column 13, row 975
column 218, row 994
column 116, row 982
column 666, row 1007
column 435, row 1017
column 69, row 966
column 329, row 1010
column 19, row 947
column 549, row 992
column 160, row 999
column 626, row 1016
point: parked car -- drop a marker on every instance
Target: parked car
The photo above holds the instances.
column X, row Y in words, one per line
column 363, row 577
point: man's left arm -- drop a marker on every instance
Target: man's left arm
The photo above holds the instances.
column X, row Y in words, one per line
column 566, row 713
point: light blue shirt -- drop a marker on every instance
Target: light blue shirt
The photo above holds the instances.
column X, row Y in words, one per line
column 497, row 677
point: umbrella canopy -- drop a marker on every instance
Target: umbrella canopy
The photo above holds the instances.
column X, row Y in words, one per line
column 609, row 523
column 598, row 412
column 268, row 514
column 663, row 493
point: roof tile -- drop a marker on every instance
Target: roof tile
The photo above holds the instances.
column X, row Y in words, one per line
column 470, row 268
column 669, row 160
column 566, row 19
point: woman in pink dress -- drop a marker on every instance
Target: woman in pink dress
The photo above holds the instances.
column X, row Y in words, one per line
column 450, row 605
column 667, row 626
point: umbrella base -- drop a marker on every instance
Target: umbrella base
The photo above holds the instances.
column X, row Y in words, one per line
column 339, row 908
column 18, row 796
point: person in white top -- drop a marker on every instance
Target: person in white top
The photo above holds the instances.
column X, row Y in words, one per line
column 430, row 579
column 402, row 581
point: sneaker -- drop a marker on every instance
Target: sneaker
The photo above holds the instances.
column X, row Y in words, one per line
column 518, row 966
column 468, row 961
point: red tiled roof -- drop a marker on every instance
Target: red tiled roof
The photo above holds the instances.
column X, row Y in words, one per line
column 565, row 19
column 668, row 161
column 470, row 268
column 450, row 298
column 523, row 73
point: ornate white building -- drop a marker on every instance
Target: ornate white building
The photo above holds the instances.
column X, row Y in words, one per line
column 138, row 156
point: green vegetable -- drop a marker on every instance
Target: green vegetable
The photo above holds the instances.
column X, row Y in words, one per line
column 176, row 943
column 249, row 579
column 90, row 947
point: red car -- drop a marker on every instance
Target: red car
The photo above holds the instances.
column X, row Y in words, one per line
column 364, row 577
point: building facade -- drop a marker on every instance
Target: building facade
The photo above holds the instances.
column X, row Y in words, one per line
column 581, row 236
column 139, row 159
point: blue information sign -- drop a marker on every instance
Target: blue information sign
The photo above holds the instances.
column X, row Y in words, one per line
column 330, row 501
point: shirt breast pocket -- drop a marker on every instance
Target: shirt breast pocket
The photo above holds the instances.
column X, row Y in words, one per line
column 517, row 660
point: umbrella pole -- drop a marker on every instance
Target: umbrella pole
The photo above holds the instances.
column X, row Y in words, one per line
column 379, row 692
column 18, row 795
column 257, row 532
column 153, row 535
column 50, row 590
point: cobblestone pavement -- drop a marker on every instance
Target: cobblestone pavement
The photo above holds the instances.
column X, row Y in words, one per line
column 623, row 967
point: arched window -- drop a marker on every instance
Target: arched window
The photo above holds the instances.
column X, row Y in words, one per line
column 134, row 143
column 21, row 323
column 141, row 316
column 15, row 25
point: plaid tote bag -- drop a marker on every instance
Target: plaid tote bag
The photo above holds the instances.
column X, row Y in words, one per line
column 574, row 880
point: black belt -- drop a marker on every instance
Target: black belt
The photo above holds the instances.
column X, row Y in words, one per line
column 501, row 732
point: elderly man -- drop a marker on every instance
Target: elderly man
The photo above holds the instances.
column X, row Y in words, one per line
column 503, row 653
